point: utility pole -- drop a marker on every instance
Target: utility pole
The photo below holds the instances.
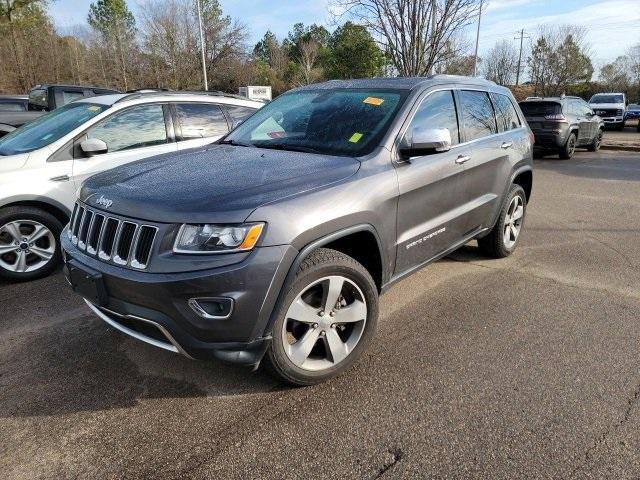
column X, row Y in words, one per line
column 204, row 63
column 475, row 57
column 433, row 35
column 520, row 56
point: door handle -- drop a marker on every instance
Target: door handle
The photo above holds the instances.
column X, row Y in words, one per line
column 462, row 159
column 61, row 178
column 506, row 145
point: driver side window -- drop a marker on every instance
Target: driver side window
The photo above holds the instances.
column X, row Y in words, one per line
column 136, row 127
column 438, row 110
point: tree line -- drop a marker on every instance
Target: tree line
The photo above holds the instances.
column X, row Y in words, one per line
column 160, row 48
column 558, row 61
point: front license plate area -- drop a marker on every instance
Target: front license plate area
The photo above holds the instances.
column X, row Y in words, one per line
column 88, row 283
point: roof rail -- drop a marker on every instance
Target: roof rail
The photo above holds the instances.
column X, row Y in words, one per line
column 134, row 95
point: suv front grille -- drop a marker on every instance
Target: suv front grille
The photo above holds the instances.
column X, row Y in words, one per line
column 608, row 112
column 114, row 240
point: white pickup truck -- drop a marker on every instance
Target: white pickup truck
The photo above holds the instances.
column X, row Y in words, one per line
column 611, row 107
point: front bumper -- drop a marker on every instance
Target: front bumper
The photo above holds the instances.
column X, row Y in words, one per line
column 613, row 120
column 154, row 307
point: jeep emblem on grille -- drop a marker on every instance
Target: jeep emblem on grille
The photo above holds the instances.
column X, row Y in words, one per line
column 105, row 202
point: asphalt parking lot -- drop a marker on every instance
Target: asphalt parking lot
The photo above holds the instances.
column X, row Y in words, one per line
column 523, row 367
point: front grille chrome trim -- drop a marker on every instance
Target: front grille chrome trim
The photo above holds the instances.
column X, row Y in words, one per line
column 90, row 230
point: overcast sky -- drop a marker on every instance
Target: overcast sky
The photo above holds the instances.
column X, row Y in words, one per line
column 612, row 25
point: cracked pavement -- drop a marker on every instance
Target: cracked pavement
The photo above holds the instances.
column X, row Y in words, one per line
column 522, row 367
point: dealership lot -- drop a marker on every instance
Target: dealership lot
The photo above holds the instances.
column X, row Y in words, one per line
column 527, row 365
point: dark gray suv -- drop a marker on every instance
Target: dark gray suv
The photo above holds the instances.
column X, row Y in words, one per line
column 560, row 124
column 277, row 241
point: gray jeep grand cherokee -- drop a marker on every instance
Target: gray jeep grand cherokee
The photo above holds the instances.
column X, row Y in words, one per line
column 277, row 241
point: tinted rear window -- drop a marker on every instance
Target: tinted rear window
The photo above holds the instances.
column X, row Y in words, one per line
column 540, row 109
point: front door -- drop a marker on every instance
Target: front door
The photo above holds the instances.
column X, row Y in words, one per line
column 131, row 134
column 430, row 195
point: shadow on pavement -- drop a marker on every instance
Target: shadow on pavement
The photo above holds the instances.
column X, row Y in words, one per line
column 83, row 365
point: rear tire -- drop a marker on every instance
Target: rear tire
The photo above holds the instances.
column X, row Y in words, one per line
column 569, row 148
column 314, row 341
column 512, row 214
column 29, row 243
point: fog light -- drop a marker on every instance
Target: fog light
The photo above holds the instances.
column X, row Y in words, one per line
column 212, row 308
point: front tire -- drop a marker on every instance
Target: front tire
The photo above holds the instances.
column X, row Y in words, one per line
column 326, row 319
column 503, row 238
column 29, row 243
column 569, row 148
column 595, row 145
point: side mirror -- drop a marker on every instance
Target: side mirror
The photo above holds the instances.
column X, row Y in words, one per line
column 94, row 146
column 589, row 114
column 424, row 141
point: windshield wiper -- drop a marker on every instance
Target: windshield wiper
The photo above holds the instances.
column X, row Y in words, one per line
column 286, row 146
column 236, row 144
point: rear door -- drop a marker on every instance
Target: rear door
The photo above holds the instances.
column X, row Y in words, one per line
column 491, row 144
column 199, row 124
column 131, row 134
column 594, row 123
column 582, row 119
column 428, row 220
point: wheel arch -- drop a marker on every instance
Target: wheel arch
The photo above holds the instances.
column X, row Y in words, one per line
column 341, row 240
column 50, row 206
column 524, row 178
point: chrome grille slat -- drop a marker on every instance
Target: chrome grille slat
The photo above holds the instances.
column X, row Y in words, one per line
column 84, row 229
column 123, row 242
column 95, row 230
column 76, row 225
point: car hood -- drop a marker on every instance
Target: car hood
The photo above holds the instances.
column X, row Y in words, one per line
column 606, row 106
column 217, row 184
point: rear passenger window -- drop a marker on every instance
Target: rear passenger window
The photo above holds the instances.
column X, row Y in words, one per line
column 201, row 120
column 505, row 113
column 438, row 110
column 238, row 113
column 477, row 115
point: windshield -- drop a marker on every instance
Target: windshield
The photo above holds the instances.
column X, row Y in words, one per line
column 348, row 122
column 634, row 107
column 49, row 128
column 606, row 99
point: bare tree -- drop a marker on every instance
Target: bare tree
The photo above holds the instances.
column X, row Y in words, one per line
column 634, row 60
column 309, row 50
column 404, row 28
column 501, row 63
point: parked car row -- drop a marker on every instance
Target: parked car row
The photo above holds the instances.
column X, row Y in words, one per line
column 44, row 163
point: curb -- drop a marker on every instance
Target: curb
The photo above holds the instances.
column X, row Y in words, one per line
column 621, row 148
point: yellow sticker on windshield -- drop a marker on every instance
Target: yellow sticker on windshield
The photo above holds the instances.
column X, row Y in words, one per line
column 355, row 138
column 93, row 108
column 373, row 101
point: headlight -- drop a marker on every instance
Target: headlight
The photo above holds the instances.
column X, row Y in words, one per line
column 210, row 238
